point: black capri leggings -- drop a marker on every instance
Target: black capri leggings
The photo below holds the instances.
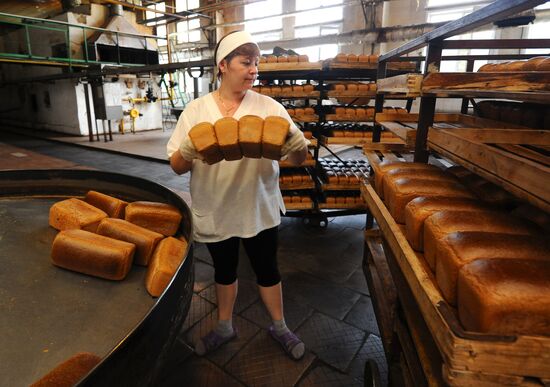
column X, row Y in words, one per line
column 261, row 250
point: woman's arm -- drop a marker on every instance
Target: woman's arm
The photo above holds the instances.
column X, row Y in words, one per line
column 298, row 157
column 179, row 164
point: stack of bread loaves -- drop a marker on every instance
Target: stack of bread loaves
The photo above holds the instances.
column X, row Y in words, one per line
column 103, row 235
column 250, row 136
column 493, row 266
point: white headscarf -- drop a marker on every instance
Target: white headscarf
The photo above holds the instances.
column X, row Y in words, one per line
column 231, row 42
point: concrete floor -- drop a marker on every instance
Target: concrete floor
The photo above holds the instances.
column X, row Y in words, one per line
column 326, row 298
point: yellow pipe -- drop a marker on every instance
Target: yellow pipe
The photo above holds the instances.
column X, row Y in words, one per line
column 37, row 62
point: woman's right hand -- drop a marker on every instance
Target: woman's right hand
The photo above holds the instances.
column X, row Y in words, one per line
column 188, row 151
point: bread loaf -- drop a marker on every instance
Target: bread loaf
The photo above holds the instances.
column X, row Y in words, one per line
column 341, row 57
column 282, row 59
column 418, row 173
column 165, row 262
column 274, row 136
column 145, row 240
column 112, row 206
column 419, row 209
column 89, row 253
column 293, row 58
column 159, row 217
column 363, row 58
column 505, row 296
column 534, row 214
column 69, row 373
column 386, row 166
column 250, row 136
column 488, row 192
column 303, row 58
column 75, row 214
column 544, row 65
column 401, row 191
column 205, row 142
column 531, row 64
column 308, row 88
column 227, row 133
column 438, row 225
column 460, row 248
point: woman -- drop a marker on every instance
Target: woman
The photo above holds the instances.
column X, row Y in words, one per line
column 234, row 201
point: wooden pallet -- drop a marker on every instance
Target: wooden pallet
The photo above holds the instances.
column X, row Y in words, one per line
column 288, row 66
column 533, row 86
column 517, row 160
column 405, row 85
column 462, row 351
column 404, row 125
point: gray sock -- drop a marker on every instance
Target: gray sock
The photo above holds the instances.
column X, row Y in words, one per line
column 280, row 329
column 224, row 328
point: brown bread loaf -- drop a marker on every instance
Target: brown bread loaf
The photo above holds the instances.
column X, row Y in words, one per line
column 303, row 58
column 227, row 133
column 168, row 256
column 92, row 254
column 69, row 373
column 282, row 59
column 293, row 58
column 438, row 225
column 145, row 240
column 534, row 214
column 421, row 173
column 112, row 206
column 386, row 166
column 488, row 192
column 531, row 64
column 373, row 58
column 460, row 248
column 159, row 217
column 308, row 88
column 352, row 58
column 352, row 87
column 274, row 136
column 401, row 191
column 341, row 57
column 419, row 209
column 362, row 58
column 250, row 136
column 75, row 214
column 544, row 65
column 271, row 59
column 309, row 111
column 205, row 142
column 505, row 296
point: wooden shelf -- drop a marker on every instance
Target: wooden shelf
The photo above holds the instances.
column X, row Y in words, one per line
column 286, row 164
column 296, row 186
column 517, row 160
column 299, row 206
column 338, row 118
column 293, row 94
column 289, row 66
column 528, row 86
column 342, row 206
column 479, row 353
column 385, row 141
column 405, row 85
column 330, row 64
column 341, row 187
column 351, row 94
column 306, row 118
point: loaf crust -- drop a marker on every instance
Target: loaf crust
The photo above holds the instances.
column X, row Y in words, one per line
column 274, row 136
column 227, row 133
column 419, row 209
column 386, row 166
column 438, row 225
column 401, row 191
column 505, row 296
column 460, row 248
column 167, row 257
column 92, row 254
column 250, row 136
column 205, row 142
column 145, row 240
column 112, row 206
column 416, row 173
column 75, row 214
column 159, row 217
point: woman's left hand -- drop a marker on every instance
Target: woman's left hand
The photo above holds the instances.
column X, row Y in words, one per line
column 295, row 142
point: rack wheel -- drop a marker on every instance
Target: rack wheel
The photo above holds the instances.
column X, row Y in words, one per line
column 316, row 220
column 371, row 374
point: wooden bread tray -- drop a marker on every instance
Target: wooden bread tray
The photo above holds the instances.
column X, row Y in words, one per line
column 296, row 186
column 404, row 125
column 288, row 66
column 340, row 187
column 341, row 206
column 349, row 118
column 331, row 64
column 351, row 94
column 461, row 351
column 517, row 160
column 533, row 86
column 287, row 164
column 293, row 94
column 299, row 206
column 306, row 118
column 406, row 85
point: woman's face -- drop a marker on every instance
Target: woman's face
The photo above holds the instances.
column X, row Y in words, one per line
column 240, row 73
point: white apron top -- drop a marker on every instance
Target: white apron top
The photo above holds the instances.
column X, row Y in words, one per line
column 232, row 198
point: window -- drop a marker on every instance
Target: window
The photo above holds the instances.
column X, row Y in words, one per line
column 186, row 5
column 260, row 10
column 538, row 31
column 316, row 53
column 188, row 31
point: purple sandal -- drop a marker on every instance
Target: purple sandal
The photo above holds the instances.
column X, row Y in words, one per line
column 288, row 341
column 212, row 341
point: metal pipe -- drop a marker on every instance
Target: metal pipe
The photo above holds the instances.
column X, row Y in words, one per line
column 133, row 6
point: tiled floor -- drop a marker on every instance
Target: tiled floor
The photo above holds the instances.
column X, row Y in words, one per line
column 326, row 297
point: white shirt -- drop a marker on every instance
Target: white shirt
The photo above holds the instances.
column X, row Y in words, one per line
column 232, row 198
